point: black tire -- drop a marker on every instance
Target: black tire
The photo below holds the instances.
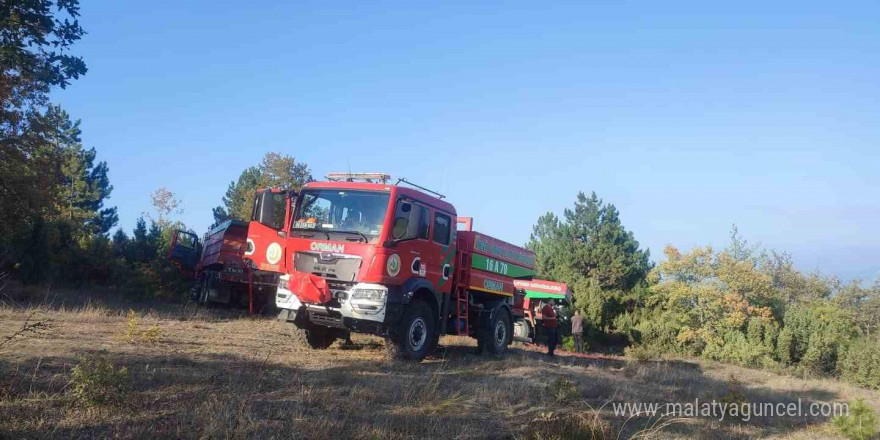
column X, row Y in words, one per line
column 212, row 284
column 313, row 337
column 195, row 292
column 393, row 352
column 414, row 337
column 495, row 337
column 522, row 329
column 203, row 298
column 435, row 341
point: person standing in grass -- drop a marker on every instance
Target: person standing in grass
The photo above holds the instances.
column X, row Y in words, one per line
column 577, row 330
column 548, row 319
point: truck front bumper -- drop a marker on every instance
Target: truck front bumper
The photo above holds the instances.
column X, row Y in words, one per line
column 356, row 314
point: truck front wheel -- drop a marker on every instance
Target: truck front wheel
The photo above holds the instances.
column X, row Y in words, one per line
column 311, row 336
column 522, row 331
column 413, row 338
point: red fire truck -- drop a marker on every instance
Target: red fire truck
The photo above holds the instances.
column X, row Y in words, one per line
column 357, row 253
column 220, row 268
column 536, row 292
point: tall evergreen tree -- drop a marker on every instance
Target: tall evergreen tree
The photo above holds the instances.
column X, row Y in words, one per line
column 592, row 251
column 239, row 197
column 35, row 41
column 120, row 243
column 84, row 185
column 275, row 170
column 141, row 248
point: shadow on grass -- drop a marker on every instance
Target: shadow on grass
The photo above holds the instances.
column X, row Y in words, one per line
column 349, row 392
column 455, row 394
column 109, row 301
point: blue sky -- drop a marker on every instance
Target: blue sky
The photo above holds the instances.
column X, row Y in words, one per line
column 688, row 116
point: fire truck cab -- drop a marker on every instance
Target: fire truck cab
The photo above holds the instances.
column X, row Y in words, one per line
column 373, row 257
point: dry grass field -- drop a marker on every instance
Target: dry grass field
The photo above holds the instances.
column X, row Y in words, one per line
column 209, row 373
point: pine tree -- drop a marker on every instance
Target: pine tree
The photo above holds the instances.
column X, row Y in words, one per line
column 592, row 252
column 239, row 197
column 120, row 244
column 84, row 185
column 275, row 170
column 140, row 250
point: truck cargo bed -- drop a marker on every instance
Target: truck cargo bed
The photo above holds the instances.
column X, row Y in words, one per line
column 495, row 264
column 225, row 244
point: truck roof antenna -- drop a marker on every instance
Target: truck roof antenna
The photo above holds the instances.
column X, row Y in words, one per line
column 419, row 187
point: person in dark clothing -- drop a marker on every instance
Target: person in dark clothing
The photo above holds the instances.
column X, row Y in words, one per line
column 548, row 319
column 577, row 330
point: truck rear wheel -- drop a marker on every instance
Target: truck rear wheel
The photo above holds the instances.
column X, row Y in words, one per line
column 195, row 291
column 415, row 335
column 495, row 337
column 211, row 290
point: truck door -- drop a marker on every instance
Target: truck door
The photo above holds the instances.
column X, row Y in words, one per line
column 442, row 239
column 185, row 250
column 267, row 231
column 422, row 247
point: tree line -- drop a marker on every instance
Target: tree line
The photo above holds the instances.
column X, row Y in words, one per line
column 740, row 305
column 54, row 192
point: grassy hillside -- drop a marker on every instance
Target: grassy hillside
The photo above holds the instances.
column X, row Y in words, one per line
column 193, row 372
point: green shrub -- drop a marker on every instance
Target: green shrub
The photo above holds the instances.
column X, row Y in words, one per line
column 859, row 424
column 785, row 347
column 735, row 395
column 655, row 330
column 568, row 343
column 131, row 325
column 763, row 332
column 133, row 333
column 96, row 381
column 152, row 335
column 563, row 390
column 737, row 348
column 818, row 333
column 569, row 426
column 642, row 353
column 860, row 363
column 821, row 355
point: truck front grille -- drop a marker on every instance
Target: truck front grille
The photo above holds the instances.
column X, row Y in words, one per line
column 326, row 320
column 329, row 266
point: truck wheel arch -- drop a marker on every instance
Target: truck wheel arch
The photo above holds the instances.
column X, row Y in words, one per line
column 417, row 287
column 428, row 297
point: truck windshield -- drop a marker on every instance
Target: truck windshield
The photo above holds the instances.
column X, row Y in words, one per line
column 358, row 214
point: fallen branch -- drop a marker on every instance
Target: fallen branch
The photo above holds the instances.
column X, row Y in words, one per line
column 28, row 328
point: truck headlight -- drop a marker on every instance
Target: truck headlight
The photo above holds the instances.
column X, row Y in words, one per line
column 377, row 295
